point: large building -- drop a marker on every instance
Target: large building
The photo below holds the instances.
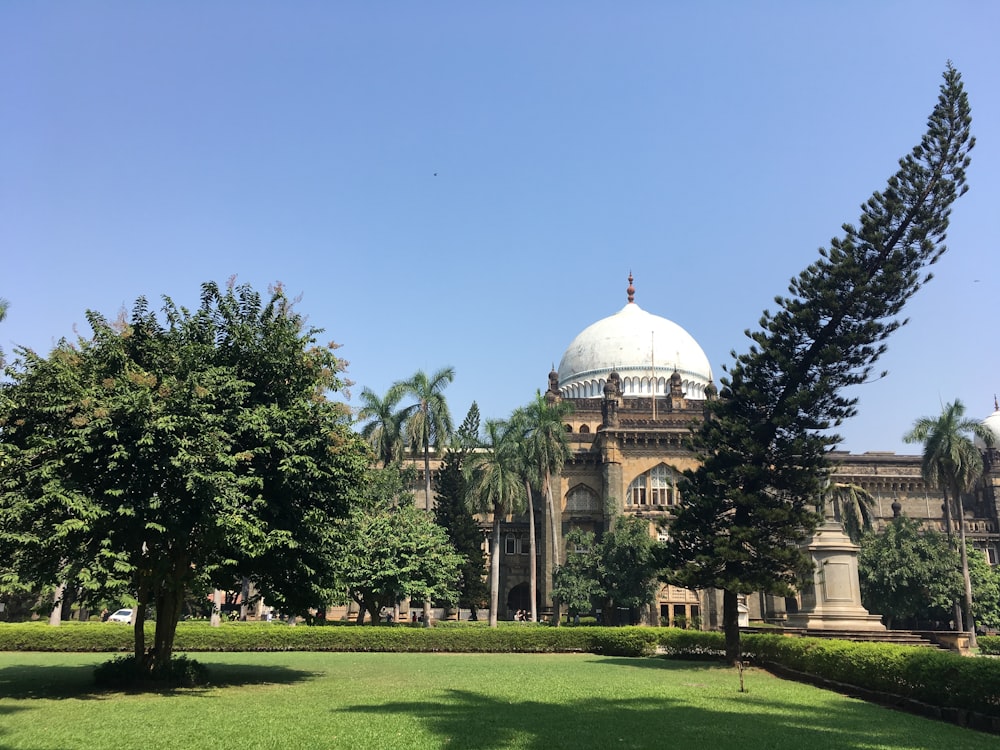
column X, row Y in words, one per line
column 637, row 382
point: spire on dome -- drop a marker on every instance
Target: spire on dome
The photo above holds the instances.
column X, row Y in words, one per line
column 996, row 406
column 631, row 289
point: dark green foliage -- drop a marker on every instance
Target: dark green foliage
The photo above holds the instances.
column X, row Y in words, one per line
column 386, row 549
column 575, row 583
column 452, row 513
column 764, row 446
column 953, row 463
column 122, row 673
column 166, row 448
column 467, row 435
column 628, row 566
column 990, row 644
column 909, row 575
column 985, row 579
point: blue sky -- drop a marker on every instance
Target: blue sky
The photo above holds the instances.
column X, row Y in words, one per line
column 469, row 184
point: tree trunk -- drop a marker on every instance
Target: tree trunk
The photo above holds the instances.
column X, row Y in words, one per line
column 138, row 626
column 956, row 606
column 969, row 619
column 217, row 608
column 55, row 616
column 532, row 566
column 556, row 615
column 731, row 626
column 244, row 596
column 495, row 569
column 427, row 501
column 168, row 612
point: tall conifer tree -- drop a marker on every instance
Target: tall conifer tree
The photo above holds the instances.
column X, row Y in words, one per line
column 452, row 512
column 764, row 445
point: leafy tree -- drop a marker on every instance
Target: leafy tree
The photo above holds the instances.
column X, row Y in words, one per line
column 383, row 429
column 764, row 445
column 908, row 574
column 387, row 549
column 629, row 565
column 495, row 489
column 156, row 451
column 851, row 505
column 576, row 583
column 452, row 513
column 986, row 591
column 428, row 421
column 953, row 463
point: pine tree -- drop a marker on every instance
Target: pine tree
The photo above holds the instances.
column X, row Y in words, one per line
column 452, row 513
column 764, row 444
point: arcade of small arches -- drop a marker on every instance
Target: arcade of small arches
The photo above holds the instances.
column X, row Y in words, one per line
column 634, row 385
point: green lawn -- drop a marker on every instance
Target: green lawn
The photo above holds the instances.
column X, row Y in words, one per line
column 479, row 702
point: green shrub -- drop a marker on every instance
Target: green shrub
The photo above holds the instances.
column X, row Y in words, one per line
column 688, row 644
column 630, row 641
column 989, row 644
column 931, row 676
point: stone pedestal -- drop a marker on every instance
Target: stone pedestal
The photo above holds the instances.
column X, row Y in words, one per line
column 833, row 601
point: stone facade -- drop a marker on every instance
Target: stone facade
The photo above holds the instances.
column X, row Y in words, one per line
column 627, row 434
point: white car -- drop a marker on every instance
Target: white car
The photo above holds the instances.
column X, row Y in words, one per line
column 122, row 615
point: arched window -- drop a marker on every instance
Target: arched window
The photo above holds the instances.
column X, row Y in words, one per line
column 584, row 429
column 582, row 499
column 657, row 487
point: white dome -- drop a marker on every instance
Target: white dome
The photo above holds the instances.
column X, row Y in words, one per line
column 639, row 346
column 992, row 423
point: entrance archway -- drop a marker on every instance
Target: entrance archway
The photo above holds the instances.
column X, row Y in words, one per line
column 519, row 597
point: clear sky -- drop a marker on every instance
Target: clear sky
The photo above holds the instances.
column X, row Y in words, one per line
column 469, row 184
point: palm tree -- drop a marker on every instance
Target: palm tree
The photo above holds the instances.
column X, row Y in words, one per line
column 494, row 487
column 428, row 421
column 549, row 447
column 383, row 430
column 953, row 463
column 522, row 427
column 852, row 506
column 4, row 304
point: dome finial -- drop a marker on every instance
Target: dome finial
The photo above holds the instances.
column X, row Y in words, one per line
column 996, row 406
column 631, row 289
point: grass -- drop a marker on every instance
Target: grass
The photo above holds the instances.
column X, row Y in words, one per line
column 468, row 701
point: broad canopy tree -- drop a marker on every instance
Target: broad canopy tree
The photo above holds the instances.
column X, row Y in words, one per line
column 628, row 569
column 909, row 574
column 162, row 448
column 386, row 549
column 764, row 444
column 575, row 583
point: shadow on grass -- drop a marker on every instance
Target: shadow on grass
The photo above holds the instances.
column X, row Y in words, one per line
column 33, row 681
column 471, row 721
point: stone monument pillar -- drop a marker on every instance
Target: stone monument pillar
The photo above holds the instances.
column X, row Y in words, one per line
column 833, row 600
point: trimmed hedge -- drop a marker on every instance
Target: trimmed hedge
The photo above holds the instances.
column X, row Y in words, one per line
column 927, row 675
column 989, row 644
column 199, row 636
